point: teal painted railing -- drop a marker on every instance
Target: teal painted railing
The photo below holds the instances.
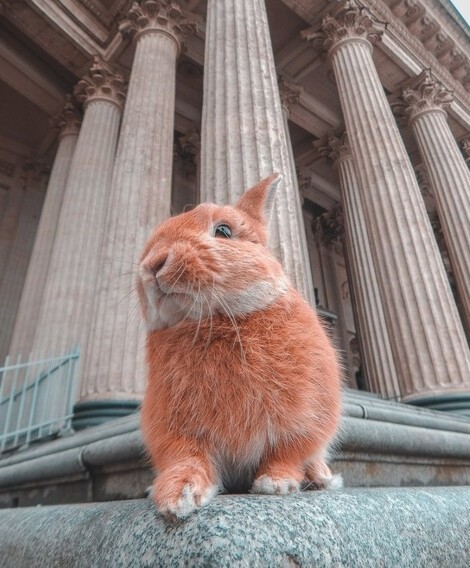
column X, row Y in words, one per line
column 36, row 399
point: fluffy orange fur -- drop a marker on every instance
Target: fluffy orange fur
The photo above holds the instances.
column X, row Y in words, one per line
column 243, row 382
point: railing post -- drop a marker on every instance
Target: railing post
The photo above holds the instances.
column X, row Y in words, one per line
column 10, row 403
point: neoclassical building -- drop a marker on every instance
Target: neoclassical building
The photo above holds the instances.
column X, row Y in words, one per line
column 115, row 114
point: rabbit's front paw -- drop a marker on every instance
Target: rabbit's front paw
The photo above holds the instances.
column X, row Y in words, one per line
column 176, row 498
column 274, row 485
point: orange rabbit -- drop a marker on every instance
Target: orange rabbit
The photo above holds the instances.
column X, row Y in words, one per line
column 243, row 383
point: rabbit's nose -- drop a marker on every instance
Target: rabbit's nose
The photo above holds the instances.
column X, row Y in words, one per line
column 159, row 263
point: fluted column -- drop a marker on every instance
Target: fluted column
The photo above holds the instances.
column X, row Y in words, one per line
column 449, row 175
column 243, row 127
column 186, row 171
column 35, row 177
column 68, row 124
column 66, row 306
column 140, row 198
column 377, row 358
column 328, row 230
column 428, row 341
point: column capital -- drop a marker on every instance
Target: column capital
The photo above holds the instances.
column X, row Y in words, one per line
column 35, row 169
column 304, row 182
column 426, row 94
column 328, row 229
column 187, row 149
column 334, row 148
column 351, row 21
column 289, row 92
column 69, row 120
column 465, row 145
column 158, row 16
column 101, row 83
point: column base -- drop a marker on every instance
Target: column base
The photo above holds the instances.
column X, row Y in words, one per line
column 458, row 403
column 96, row 412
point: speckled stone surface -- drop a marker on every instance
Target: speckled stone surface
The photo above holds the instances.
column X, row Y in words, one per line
column 356, row 527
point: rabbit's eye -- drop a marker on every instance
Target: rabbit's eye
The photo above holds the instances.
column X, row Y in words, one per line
column 223, row 231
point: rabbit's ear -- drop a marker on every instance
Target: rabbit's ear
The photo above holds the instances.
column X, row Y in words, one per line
column 258, row 201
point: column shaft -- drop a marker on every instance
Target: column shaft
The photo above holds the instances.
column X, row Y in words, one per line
column 66, row 306
column 140, row 198
column 9, row 223
column 243, row 129
column 18, row 260
column 450, row 179
column 377, row 357
column 28, row 311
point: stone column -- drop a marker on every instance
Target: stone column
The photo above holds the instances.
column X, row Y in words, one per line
column 34, row 183
column 448, row 173
column 186, row 171
column 9, row 220
column 243, row 128
column 140, row 199
column 66, row 305
column 376, row 353
column 68, row 124
column 431, row 354
column 328, row 231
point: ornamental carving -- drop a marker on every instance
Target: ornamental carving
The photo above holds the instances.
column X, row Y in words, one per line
column 69, row 120
column 187, row 149
column 289, row 92
column 165, row 16
column 465, row 145
column 328, row 229
column 350, row 21
column 333, row 148
column 304, row 183
column 35, row 170
column 426, row 94
column 101, row 83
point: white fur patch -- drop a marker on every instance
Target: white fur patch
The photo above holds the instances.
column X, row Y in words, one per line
column 187, row 504
column 256, row 297
column 267, row 485
column 332, row 481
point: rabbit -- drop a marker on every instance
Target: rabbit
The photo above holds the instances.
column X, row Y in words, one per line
column 244, row 384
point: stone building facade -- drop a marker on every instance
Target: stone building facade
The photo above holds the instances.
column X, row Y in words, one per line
column 115, row 114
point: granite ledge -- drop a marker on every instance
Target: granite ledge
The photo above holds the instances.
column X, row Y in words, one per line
column 355, row 527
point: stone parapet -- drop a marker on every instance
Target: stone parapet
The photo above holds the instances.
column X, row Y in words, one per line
column 381, row 443
column 356, row 527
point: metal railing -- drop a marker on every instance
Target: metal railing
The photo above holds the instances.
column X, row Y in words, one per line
column 36, row 399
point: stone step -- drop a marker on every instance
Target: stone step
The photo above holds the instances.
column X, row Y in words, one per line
column 387, row 527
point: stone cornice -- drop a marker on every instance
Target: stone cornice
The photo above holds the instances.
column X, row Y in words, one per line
column 398, row 29
column 101, row 83
column 426, row 94
column 158, row 16
column 404, row 38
